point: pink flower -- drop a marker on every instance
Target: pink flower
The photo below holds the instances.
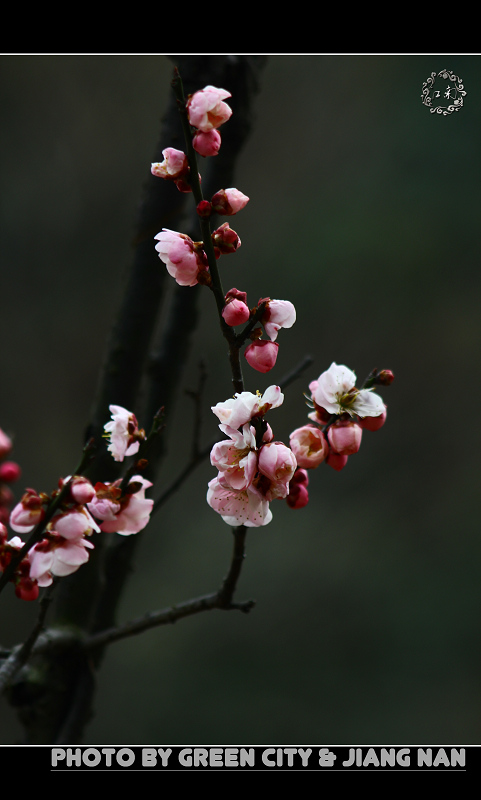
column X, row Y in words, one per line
column 174, row 166
column 237, row 458
column 176, row 250
column 345, row 437
column 81, row 490
column 206, row 109
column 309, row 445
column 27, row 513
column 238, row 507
column 278, row 314
column 244, row 406
column 278, row 463
column 207, row 143
column 123, row 432
column 56, row 555
column 261, row 354
column 134, row 509
column 236, row 311
column 335, row 391
column 73, row 524
column 229, row 201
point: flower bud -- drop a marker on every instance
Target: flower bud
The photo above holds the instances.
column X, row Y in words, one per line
column 9, row 471
column 207, row 143
column 384, row 378
column 345, row 437
column 229, row 201
column 262, row 354
column 309, row 446
column 373, row 423
column 336, row 461
column 225, row 239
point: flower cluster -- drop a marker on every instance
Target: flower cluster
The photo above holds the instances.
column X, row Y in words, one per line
column 253, row 469
column 340, row 414
column 83, row 509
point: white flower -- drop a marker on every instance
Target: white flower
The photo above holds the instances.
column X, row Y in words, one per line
column 122, row 432
column 335, row 390
column 244, row 406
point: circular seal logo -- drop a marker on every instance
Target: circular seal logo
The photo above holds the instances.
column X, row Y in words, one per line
column 445, row 87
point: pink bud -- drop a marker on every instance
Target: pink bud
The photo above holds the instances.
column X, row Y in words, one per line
column 9, row 471
column 5, row 444
column 262, row 354
column 385, row 377
column 298, row 496
column 345, row 437
column 309, row 445
column 236, row 311
column 207, row 143
column 225, row 239
column 336, row 461
column 229, row 201
column 82, row 490
column 373, row 423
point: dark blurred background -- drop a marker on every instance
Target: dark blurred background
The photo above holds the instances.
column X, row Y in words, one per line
column 365, row 213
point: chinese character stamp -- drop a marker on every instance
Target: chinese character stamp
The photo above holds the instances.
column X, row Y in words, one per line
column 443, row 93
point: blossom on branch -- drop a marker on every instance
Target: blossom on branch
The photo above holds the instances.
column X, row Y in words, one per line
column 180, row 257
column 262, row 355
column 125, row 513
column 174, row 166
column 207, row 143
column 229, row 201
column 206, row 108
column 277, row 314
column 335, row 392
column 123, row 432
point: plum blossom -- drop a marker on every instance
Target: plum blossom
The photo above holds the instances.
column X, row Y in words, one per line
column 237, row 458
column 244, row 406
column 238, row 507
column 123, row 432
column 122, row 513
column 174, row 166
column 206, row 108
column 177, row 252
column 27, row 513
column 57, row 556
column 277, row 314
column 309, row 445
column 335, row 391
column 253, row 470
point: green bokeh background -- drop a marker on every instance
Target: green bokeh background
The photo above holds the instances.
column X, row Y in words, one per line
column 365, row 213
